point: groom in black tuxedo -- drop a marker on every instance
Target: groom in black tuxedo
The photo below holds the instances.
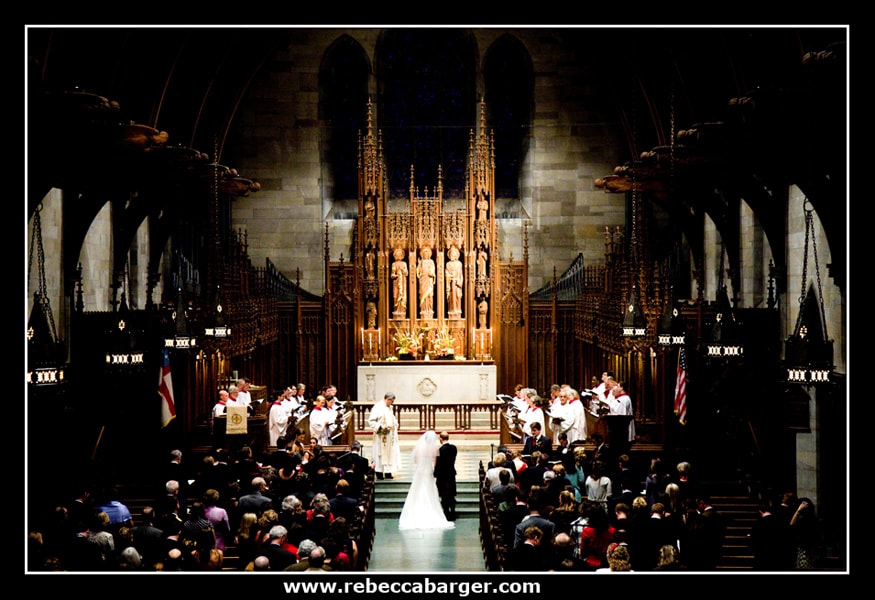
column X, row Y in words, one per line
column 445, row 475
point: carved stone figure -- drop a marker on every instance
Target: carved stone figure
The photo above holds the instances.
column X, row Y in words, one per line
column 426, row 274
column 482, row 309
column 371, row 310
column 482, row 207
column 455, row 283
column 399, row 282
column 481, row 263
column 369, row 263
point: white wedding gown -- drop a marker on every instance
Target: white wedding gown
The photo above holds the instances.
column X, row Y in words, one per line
column 422, row 508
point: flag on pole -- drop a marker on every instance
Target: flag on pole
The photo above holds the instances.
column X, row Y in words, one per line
column 680, row 389
column 165, row 390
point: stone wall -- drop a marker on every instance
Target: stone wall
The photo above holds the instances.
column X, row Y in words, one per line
column 573, row 143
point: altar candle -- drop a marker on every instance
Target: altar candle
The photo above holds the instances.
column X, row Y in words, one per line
column 363, row 338
column 490, row 340
column 379, row 338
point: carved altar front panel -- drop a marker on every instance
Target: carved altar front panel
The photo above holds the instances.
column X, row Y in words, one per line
column 428, row 382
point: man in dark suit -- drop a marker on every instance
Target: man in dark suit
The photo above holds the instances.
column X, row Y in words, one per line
column 355, row 468
column 279, row 557
column 516, row 509
column 535, row 518
column 445, row 475
column 655, row 532
column 534, row 474
column 530, row 554
column 602, row 451
column 538, row 442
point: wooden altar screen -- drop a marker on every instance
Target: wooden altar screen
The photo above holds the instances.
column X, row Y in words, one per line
column 426, row 270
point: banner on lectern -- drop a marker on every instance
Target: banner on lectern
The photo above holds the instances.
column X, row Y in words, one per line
column 236, row 420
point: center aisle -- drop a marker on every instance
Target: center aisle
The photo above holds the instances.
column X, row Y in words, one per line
column 428, row 550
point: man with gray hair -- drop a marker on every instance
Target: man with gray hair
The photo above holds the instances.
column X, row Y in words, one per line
column 316, row 559
column 257, row 500
column 304, row 549
column 279, row 557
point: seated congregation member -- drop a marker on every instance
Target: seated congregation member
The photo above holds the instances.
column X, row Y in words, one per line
column 303, row 557
column 246, row 537
column 564, row 557
column 355, row 468
column 219, row 518
column 342, row 503
column 498, row 490
column 319, row 516
column 148, row 539
column 279, row 557
column 563, row 453
column 565, row 512
column 492, row 474
column 653, row 534
column 534, row 474
column 341, row 551
column 509, row 463
column 511, row 512
column 530, row 554
column 245, row 466
column 292, row 513
column 534, row 517
column 596, row 536
column 257, row 500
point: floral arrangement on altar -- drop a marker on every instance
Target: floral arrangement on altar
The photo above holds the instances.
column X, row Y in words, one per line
column 443, row 343
column 409, row 343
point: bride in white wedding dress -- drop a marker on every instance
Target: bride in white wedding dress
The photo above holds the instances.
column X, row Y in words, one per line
column 422, row 508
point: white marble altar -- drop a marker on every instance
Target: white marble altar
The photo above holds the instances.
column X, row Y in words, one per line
column 428, row 382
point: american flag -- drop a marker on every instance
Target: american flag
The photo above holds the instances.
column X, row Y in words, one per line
column 680, row 389
column 165, row 390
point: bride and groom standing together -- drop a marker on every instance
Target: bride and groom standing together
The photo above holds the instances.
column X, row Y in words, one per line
column 431, row 499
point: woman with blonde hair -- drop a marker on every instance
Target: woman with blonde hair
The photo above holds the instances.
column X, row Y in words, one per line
column 618, row 560
column 566, row 511
column 245, row 536
column 669, row 559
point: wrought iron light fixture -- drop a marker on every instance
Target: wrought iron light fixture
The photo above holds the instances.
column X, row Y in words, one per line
column 634, row 321
column 219, row 330
column 671, row 330
column 46, row 354
column 725, row 341
column 180, row 338
column 808, row 353
column 124, row 354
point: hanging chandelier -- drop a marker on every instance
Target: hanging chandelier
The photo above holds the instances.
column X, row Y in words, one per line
column 46, row 354
column 808, row 353
column 634, row 320
column 125, row 352
column 671, row 330
column 216, row 329
column 219, row 330
column 179, row 336
column 725, row 341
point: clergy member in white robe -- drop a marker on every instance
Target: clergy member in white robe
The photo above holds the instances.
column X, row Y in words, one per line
column 386, row 450
column 277, row 420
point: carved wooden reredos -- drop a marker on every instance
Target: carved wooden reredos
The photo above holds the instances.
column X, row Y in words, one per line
column 429, row 265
